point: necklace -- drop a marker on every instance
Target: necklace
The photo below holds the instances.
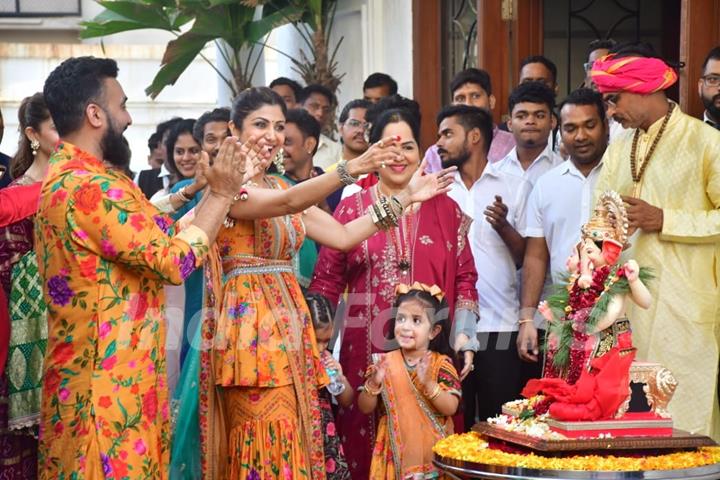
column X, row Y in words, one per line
column 402, row 245
column 637, row 175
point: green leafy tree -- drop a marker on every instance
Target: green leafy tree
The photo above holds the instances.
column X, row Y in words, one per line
column 237, row 27
column 315, row 27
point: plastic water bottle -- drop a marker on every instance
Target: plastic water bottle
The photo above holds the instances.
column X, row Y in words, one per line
column 335, row 387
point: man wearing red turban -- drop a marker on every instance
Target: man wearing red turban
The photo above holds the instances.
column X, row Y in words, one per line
column 666, row 167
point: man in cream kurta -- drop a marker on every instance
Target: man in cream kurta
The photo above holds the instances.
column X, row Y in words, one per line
column 675, row 212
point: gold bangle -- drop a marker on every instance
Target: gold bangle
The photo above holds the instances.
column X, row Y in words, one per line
column 369, row 389
column 525, row 320
column 435, row 392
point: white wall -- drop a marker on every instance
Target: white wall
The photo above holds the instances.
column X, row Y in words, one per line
column 24, row 67
column 377, row 38
column 35, row 46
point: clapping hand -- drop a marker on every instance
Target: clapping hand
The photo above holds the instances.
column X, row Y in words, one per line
column 226, row 175
column 377, row 373
column 496, row 214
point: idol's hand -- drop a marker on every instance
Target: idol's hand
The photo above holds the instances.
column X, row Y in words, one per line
column 425, row 186
column 632, row 271
column 379, row 155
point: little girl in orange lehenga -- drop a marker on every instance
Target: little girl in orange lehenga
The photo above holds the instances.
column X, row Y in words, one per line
column 418, row 385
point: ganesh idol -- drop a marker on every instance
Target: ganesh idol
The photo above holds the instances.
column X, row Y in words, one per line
column 589, row 346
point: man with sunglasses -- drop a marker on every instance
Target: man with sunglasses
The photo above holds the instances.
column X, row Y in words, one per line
column 665, row 167
column 709, row 88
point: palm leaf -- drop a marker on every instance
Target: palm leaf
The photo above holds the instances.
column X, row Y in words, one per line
column 179, row 54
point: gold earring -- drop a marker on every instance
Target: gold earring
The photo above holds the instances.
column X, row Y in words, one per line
column 278, row 161
column 34, row 146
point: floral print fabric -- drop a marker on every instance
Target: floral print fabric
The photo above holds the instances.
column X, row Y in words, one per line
column 104, row 253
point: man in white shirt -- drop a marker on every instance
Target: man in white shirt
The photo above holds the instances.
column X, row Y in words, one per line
column 495, row 200
column 560, row 203
column 319, row 101
column 531, row 121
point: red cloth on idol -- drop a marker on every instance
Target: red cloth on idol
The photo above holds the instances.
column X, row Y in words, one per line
column 632, row 74
column 596, row 395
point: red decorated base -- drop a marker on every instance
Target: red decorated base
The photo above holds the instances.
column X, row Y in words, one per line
column 632, row 424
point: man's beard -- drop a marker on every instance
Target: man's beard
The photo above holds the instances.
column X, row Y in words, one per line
column 457, row 161
column 711, row 107
column 115, row 148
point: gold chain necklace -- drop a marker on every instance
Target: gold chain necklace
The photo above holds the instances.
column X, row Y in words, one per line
column 637, row 175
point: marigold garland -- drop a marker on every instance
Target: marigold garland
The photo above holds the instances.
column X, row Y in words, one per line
column 472, row 447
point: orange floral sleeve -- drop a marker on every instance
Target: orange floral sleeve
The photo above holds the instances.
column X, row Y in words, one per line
column 149, row 245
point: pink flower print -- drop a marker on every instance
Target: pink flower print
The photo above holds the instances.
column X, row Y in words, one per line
column 81, row 234
column 63, row 394
column 109, row 362
column 114, row 193
column 330, row 465
column 140, row 447
column 108, row 249
column 105, row 328
column 330, row 430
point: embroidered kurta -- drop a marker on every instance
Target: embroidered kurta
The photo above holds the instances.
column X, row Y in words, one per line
column 680, row 329
column 435, row 239
column 264, row 357
column 104, row 253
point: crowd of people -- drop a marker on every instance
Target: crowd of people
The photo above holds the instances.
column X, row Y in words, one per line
column 346, row 298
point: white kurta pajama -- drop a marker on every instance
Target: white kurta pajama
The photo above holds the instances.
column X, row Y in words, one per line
column 680, row 329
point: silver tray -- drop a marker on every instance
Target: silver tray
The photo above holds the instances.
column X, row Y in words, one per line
column 466, row 470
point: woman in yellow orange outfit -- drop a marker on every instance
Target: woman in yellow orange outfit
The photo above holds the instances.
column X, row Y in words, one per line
column 260, row 369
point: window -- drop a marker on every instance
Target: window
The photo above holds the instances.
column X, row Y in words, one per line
column 39, row 8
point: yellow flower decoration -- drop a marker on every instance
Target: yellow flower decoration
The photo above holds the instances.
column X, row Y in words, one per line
column 472, row 447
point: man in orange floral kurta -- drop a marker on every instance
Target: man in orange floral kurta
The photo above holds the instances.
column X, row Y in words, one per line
column 104, row 254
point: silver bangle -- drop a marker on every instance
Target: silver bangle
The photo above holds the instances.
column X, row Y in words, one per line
column 345, row 176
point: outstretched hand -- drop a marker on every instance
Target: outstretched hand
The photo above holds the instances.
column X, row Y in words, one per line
column 424, row 186
column 377, row 156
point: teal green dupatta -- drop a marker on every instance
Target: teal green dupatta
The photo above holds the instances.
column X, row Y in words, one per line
column 185, row 453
